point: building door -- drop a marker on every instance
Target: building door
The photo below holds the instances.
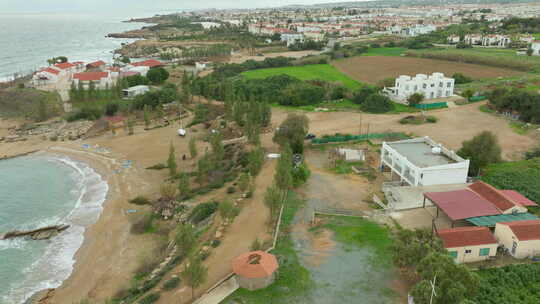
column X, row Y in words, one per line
column 514, row 247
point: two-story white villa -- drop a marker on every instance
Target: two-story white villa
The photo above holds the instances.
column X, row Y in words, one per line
column 435, row 85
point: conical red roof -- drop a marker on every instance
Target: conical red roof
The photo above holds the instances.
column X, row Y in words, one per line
column 255, row 264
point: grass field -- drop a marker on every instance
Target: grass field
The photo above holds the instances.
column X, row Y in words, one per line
column 396, row 51
column 324, row 72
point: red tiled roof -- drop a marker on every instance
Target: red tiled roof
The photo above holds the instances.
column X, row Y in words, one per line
column 462, row 204
column 525, row 230
column 466, row 236
column 149, row 63
column 129, row 73
column 114, row 119
column 91, row 76
column 78, row 62
column 255, row 264
column 492, row 195
column 114, row 69
column 51, row 70
column 518, row 198
column 96, row 64
column 64, row 65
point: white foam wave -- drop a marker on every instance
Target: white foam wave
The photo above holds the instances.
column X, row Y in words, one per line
column 56, row 263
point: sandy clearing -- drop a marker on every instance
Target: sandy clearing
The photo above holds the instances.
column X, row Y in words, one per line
column 454, row 126
column 372, row 69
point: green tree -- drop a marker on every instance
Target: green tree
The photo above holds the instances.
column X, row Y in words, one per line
column 193, row 147
column 157, row 75
column 481, row 150
column 168, row 191
column 377, row 103
column 244, row 181
column 530, row 51
column 171, row 161
column 186, row 239
column 363, row 93
column 292, row 132
column 146, row 116
column 195, row 274
column 468, row 93
column 130, row 125
column 283, row 176
column 183, row 184
column 42, row 111
column 415, row 99
column 255, row 160
column 218, row 150
column 272, row 199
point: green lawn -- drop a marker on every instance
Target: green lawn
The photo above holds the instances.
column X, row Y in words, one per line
column 536, row 36
column 324, row 72
column 395, row 51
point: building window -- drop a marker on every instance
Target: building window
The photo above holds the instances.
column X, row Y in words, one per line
column 424, row 86
column 484, row 251
column 440, row 84
column 432, row 85
column 449, row 84
column 415, row 88
column 468, row 251
column 453, row 254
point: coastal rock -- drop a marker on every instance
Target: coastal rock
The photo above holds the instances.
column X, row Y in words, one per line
column 37, row 234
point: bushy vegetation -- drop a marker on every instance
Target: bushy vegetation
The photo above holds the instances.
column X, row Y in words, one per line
column 522, row 176
column 140, row 200
column 171, row 284
column 512, row 284
column 461, row 79
column 168, row 93
column 202, row 212
column 377, row 103
column 524, row 102
column 29, row 103
column 482, row 150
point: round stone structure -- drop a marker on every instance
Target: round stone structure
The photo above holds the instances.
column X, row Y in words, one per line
column 255, row 270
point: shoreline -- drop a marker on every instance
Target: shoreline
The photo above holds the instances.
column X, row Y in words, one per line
column 88, row 208
column 108, row 253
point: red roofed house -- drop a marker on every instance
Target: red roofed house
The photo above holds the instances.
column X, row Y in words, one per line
column 101, row 80
column 96, row 65
column 151, row 63
column 255, row 270
column 469, row 244
column 521, row 238
column 46, row 75
column 66, row 68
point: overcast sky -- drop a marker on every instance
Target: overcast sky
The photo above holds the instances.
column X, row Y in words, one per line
column 38, row 6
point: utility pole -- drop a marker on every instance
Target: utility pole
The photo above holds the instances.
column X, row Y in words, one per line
column 360, row 125
column 433, row 293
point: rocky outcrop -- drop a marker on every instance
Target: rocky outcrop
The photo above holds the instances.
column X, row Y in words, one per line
column 44, row 233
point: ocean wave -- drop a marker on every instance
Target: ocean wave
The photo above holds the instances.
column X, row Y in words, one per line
column 56, row 263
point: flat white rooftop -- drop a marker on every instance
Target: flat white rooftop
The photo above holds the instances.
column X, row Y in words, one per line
column 421, row 154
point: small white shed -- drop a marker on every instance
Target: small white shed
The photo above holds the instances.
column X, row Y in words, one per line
column 135, row 91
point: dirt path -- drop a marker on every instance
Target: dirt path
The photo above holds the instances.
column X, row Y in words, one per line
column 251, row 223
column 454, row 126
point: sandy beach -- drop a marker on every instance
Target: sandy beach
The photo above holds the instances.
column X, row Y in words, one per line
column 109, row 253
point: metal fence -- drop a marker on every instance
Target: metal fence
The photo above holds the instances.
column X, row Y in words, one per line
column 345, row 138
column 431, row 106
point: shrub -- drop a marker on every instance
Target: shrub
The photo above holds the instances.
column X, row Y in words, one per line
column 363, row 93
column 415, row 99
column 461, row 79
column 202, row 212
column 215, row 243
column 377, row 103
column 157, row 167
column 140, row 200
column 431, row 119
column 89, row 113
column 171, row 284
column 111, row 109
column 142, row 224
column 157, row 75
column 149, row 299
column 300, row 175
column 231, row 190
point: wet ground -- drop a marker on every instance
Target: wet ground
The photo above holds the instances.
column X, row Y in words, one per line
column 342, row 273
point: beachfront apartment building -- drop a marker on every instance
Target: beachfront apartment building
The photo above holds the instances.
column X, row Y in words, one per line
column 435, row 85
column 423, row 162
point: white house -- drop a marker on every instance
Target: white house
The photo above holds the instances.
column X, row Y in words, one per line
column 535, row 46
column 432, row 86
column 453, row 39
column 469, row 244
column 521, row 238
column 46, row 75
column 292, row 38
column 201, row 65
column 314, row 35
column 135, row 91
column 423, row 162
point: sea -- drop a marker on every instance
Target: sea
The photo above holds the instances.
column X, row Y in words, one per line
column 28, row 40
column 38, row 191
